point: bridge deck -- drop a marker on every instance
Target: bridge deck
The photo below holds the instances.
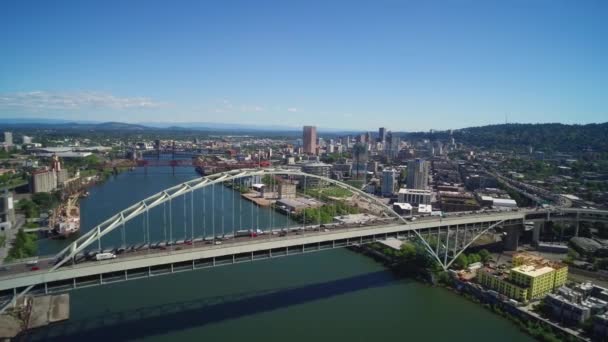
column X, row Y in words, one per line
column 154, row 257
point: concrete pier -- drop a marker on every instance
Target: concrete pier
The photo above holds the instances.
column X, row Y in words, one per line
column 10, row 326
column 253, row 197
column 34, row 312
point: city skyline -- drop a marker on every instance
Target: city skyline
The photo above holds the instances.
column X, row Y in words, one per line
column 411, row 67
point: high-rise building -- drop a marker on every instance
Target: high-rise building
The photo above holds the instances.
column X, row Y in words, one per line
column 8, row 139
column 394, row 147
column 389, row 180
column 26, row 139
column 382, row 135
column 318, row 169
column 417, row 174
column 310, row 139
column 7, row 209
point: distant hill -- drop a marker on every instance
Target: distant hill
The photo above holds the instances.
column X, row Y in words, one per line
column 120, row 126
column 69, row 125
column 545, row 137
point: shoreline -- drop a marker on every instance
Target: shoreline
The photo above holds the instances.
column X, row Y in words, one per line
column 529, row 323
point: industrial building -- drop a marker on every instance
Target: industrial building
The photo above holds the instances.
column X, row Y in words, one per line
column 403, row 209
column 318, row 169
column 44, row 181
column 287, row 190
column 457, row 201
column 414, row 196
column 49, row 179
column 588, row 246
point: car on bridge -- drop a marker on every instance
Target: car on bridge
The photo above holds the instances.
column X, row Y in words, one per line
column 104, row 256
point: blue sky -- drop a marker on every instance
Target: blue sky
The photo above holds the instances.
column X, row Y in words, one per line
column 406, row 65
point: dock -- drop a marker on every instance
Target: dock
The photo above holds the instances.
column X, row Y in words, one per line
column 48, row 309
column 253, row 197
column 34, row 312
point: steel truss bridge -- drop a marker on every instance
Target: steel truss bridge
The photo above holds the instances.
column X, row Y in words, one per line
column 191, row 247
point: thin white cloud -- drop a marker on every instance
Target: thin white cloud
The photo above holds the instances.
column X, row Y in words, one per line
column 292, row 109
column 252, row 108
column 40, row 100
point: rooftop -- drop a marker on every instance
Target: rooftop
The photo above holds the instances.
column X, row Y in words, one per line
column 532, row 270
column 414, row 191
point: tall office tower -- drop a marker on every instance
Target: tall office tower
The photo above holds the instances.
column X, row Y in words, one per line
column 417, row 174
column 8, row 139
column 310, row 139
column 389, row 180
column 27, row 140
column 395, row 147
column 382, row 135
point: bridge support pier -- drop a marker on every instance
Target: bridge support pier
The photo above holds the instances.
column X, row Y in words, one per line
column 538, row 226
column 511, row 240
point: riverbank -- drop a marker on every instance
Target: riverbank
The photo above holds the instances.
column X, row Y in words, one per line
column 526, row 321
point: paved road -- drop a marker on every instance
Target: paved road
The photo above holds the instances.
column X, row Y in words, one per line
column 46, row 262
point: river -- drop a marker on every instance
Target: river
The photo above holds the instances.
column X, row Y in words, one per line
column 331, row 295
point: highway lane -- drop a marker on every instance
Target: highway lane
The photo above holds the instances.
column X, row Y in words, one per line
column 45, row 263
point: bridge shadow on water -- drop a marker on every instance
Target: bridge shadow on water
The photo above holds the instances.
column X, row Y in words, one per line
column 165, row 318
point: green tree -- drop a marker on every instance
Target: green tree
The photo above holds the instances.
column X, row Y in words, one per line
column 29, row 208
column 46, row 200
column 461, row 261
column 473, row 258
column 23, row 247
column 408, row 252
column 485, row 255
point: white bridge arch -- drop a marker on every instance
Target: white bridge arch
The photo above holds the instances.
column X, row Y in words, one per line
column 187, row 187
column 118, row 220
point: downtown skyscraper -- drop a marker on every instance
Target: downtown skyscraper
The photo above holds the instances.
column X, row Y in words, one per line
column 310, row 139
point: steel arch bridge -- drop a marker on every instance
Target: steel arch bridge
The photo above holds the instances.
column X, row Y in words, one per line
column 444, row 244
column 188, row 187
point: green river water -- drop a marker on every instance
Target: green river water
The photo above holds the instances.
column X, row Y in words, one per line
column 334, row 295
